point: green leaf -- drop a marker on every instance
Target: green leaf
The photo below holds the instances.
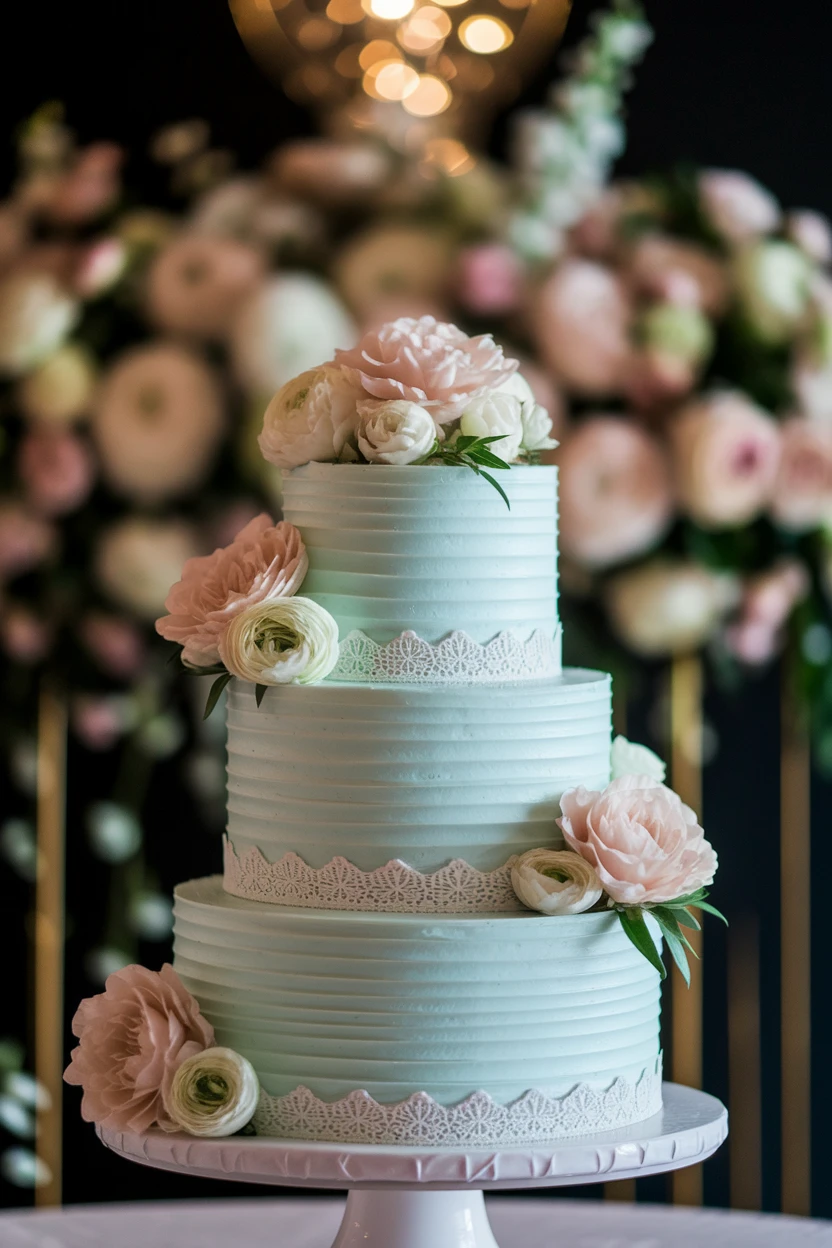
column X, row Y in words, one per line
column 214, row 694
column 260, row 693
column 669, row 924
column 677, row 951
column 688, row 899
column 465, row 442
column 632, row 921
column 687, row 919
column 483, row 456
column 497, row 487
column 709, row 909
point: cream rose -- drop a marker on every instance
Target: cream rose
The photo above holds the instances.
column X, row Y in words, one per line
column 311, row 418
column 537, row 427
column 669, row 606
column 773, row 280
column 640, row 837
column 213, row 1093
column 285, row 641
column 737, row 206
column 495, row 414
column 629, row 759
column 36, row 315
column 59, row 391
column 395, row 433
column 555, row 881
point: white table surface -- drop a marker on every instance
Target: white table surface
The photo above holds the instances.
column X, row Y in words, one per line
column 312, row 1223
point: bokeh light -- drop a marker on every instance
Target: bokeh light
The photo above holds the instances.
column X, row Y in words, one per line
column 485, row 35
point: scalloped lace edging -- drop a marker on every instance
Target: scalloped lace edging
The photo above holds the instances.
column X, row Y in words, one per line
column 395, row 888
column 457, row 659
column 478, row 1120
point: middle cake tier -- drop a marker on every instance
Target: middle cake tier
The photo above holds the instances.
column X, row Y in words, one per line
column 404, row 798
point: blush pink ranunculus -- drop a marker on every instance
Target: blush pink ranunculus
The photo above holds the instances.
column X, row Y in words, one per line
column 616, row 499
column 57, row 470
column 679, row 272
column 26, row 540
column 767, row 602
column 803, row 488
column 644, row 842
column 490, row 279
column 725, row 456
column 428, row 362
column 582, row 325
column 133, row 1037
column 264, row 561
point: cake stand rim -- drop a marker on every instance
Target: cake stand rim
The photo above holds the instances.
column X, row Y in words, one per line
column 690, row 1127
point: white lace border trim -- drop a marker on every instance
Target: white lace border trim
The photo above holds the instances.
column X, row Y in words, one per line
column 456, row 659
column 478, row 1120
column 395, row 888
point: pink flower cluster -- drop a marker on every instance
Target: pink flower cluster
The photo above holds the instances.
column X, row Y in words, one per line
column 264, row 561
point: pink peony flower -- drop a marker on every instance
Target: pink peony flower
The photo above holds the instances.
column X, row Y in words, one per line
column 725, row 455
column 615, row 494
column 582, row 326
column 640, row 837
column 490, row 279
column 26, row 637
column 100, row 267
column 736, row 206
column 656, row 378
column 89, row 188
column 678, row 272
column 115, row 644
column 100, row 722
column 428, row 362
column 803, row 488
column 197, row 284
column 133, row 1037
column 768, row 601
column 264, row 561
column 25, row 540
column 57, row 470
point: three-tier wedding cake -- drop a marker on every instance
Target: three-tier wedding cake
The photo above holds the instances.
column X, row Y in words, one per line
column 439, row 919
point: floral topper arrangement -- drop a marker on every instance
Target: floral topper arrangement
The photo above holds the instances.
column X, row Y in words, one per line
column 415, row 391
column 637, row 845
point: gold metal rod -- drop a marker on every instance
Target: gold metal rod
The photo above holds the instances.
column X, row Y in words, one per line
column 795, row 964
column 49, row 934
column 686, row 1003
column 744, row 1071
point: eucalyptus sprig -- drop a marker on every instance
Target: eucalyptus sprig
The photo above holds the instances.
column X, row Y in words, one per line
column 469, row 452
column 672, row 917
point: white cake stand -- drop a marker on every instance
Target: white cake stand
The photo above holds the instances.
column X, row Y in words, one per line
column 403, row 1197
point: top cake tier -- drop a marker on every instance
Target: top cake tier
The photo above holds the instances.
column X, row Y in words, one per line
column 431, row 549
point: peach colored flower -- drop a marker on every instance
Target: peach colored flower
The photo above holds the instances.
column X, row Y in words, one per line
column 133, row 1037
column 737, row 206
column 640, row 837
column 331, row 170
column 25, row 540
column 264, row 561
column 115, row 643
column 679, row 272
column 490, row 279
column 803, row 488
column 725, row 456
column 198, row 282
column 26, row 636
column 101, row 721
column 57, row 470
column 90, row 187
column 615, row 494
column 428, row 362
column 668, row 606
column 582, row 323
column 767, row 602
column 138, row 558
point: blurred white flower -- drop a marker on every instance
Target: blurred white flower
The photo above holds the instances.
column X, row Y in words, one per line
column 669, row 607
column 158, row 418
column 19, row 848
column 101, row 963
column 101, row 266
column 286, row 327
column 161, row 735
column 59, row 390
column 138, row 560
column 197, row 283
column 36, row 315
column 22, row 1168
column 180, row 141
column 812, row 233
column 409, row 263
column 773, row 281
column 27, row 1089
column 151, row 916
column 736, row 206
column 114, row 832
column 16, row 1118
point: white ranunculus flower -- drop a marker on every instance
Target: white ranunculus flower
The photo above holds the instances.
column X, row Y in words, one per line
column 774, row 285
column 285, row 327
column 212, row 1094
column 398, row 432
column 36, row 314
column 495, row 414
column 311, row 418
column 285, row 641
column 629, row 759
column 555, row 881
column 60, row 389
column 537, row 426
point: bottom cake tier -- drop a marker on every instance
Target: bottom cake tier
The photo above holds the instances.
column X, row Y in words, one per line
column 371, row 1028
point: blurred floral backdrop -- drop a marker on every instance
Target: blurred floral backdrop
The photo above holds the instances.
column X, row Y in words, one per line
column 678, row 328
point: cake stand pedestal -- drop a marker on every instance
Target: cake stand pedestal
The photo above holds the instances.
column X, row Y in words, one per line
column 401, row 1197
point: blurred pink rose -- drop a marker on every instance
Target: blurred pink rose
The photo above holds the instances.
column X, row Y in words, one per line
column 197, row 284
column 331, row 170
column 100, row 266
column 600, row 232
column 736, row 206
column 428, row 362
column 656, row 378
column 90, row 187
column 582, row 323
column 25, row 540
column 115, row 644
column 133, row 1036
column 615, row 495
column 725, row 456
column 264, row 561
column 490, row 278
column 812, row 233
column 678, row 272
column 668, row 606
column 768, row 601
column 99, row 722
column 803, row 488
column 26, row 636
column 643, row 841
column 57, row 470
